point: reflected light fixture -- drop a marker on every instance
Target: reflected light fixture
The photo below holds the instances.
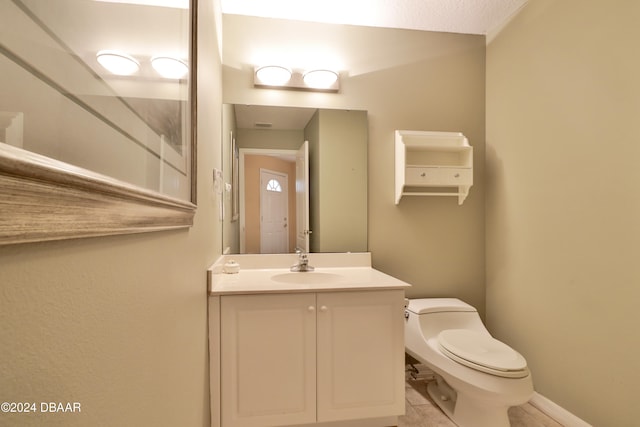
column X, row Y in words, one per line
column 273, row 75
column 170, row 68
column 320, row 79
column 117, row 62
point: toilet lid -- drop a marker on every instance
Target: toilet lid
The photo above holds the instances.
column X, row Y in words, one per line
column 438, row 305
column 483, row 353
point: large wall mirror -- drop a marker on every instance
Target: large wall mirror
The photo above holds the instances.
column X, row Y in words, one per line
column 96, row 117
column 294, row 178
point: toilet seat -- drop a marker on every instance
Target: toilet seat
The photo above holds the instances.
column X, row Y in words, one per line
column 483, row 353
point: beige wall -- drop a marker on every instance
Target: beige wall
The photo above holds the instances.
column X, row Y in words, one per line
column 405, row 80
column 118, row 324
column 563, row 202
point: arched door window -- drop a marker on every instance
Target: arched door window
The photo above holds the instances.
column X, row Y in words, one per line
column 274, row 185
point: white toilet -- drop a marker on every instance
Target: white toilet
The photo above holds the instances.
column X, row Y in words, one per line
column 477, row 377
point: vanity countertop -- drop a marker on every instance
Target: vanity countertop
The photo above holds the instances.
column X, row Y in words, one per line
column 271, row 274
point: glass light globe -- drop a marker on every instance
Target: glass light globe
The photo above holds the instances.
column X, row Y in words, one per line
column 273, row 75
column 320, row 79
column 117, row 62
column 170, row 68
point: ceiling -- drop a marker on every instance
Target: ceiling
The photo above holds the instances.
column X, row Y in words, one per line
column 452, row 16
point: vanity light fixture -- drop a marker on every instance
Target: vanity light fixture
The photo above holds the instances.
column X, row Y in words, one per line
column 118, row 62
column 320, row 79
column 273, row 75
column 278, row 77
column 170, row 68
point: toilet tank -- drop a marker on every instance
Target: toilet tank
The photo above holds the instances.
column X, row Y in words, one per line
column 439, row 314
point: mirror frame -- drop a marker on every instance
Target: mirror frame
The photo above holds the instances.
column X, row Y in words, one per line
column 43, row 199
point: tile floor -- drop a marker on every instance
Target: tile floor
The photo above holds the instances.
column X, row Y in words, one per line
column 422, row 412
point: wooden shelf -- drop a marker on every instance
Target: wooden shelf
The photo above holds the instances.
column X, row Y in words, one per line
column 433, row 159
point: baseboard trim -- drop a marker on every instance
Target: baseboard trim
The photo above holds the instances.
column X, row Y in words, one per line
column 368, row 422
column 557, row 412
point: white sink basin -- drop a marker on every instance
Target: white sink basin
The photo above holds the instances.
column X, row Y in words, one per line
column 307, row 278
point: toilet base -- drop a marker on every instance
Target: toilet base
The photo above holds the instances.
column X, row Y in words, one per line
column 466, row 412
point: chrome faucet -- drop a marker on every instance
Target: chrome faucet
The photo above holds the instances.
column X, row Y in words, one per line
column 303, row 262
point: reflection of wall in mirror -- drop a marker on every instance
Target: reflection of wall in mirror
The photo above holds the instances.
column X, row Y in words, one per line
column 230, row 229
column 338, row 180
column 11, row 128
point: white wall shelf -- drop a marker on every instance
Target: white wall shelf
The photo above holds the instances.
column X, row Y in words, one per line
column 433, row 164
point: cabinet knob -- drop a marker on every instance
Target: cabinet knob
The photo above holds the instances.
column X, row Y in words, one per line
column 423, row 174
column 311, row 308
column 323, row 308
column 457, row 175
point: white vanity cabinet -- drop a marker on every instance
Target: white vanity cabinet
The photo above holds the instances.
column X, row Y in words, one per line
column 311, row 357
column 433, row 164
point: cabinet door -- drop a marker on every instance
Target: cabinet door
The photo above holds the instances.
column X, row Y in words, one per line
column 268, row 360
column 360, row 354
